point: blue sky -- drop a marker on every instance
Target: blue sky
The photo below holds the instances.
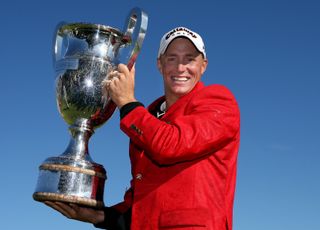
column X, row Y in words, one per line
column 266, row 51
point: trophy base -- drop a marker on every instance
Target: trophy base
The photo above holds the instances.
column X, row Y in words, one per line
column 47, row 196
column 71, row 180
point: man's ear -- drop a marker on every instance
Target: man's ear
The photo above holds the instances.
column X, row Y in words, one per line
column 159, row 65
column 204, row 66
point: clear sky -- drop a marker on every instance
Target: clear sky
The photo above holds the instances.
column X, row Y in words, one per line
column 266, row 51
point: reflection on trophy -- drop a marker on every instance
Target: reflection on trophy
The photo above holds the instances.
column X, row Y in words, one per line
column 84, row 54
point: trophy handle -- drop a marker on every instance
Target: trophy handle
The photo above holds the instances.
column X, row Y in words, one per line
column 57, row 44
column 134, row 31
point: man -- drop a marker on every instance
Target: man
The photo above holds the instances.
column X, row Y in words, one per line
column 183, row 148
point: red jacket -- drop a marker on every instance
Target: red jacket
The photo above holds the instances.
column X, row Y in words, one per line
column 184, row 164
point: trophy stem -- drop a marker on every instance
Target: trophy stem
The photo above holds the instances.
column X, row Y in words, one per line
column 80, row 132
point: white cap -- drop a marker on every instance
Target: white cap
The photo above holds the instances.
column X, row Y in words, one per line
column 181, row 32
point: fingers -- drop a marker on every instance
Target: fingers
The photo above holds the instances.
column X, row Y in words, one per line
column 113, row 75
column 68, row 210
column 121, row 72
column 133, row 70
column 122, row 68
column 106, row 85
column 119, row 85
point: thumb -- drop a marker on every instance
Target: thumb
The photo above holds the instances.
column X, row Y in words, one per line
column 133, row 71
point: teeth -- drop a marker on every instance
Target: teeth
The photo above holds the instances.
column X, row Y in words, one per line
column 180, row 78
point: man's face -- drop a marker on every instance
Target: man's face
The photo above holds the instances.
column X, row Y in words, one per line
column 182, row 66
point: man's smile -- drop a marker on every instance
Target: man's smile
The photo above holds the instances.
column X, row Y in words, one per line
column 180, row 79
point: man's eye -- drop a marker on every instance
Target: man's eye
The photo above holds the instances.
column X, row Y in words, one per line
column 171, row 59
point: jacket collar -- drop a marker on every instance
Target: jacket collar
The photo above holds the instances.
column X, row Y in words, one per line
column 156, row 103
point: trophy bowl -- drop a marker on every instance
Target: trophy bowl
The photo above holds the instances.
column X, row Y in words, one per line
column 84, row 55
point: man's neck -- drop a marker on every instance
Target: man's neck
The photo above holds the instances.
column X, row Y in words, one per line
column 170, row 101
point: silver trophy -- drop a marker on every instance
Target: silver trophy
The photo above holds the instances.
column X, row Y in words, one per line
column 84, row 54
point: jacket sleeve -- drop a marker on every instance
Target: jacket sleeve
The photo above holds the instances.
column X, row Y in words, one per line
column 118, row 217
column 209, row 121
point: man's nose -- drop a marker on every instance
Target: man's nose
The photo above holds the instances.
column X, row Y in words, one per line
column 181, row 67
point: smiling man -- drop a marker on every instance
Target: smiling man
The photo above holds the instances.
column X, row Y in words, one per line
column 183, row 147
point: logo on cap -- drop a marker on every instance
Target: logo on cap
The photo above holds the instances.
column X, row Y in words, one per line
column 180, row 29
